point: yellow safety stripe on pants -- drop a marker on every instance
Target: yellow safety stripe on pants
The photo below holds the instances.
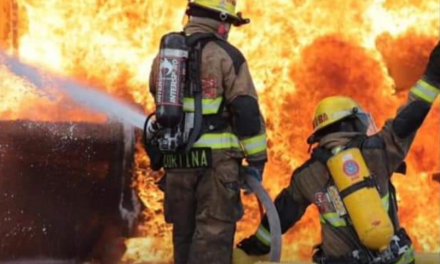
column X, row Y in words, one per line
column 209, row 106
column 425, row 91
column 255, row 144
column 218, row 141
column 408, row 257
column 263, row 235
column 335, row 220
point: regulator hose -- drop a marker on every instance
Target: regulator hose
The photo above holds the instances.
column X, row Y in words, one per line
column 272, row 216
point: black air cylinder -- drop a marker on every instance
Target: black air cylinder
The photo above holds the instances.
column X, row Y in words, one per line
column 171, row 79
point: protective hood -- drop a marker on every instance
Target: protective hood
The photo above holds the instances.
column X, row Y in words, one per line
column 204, row 25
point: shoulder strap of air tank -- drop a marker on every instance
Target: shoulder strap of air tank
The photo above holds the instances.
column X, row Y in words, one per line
column 196, row 43
column 322, row 155
column 236, row 56
column 357, row 142
column 394, row 208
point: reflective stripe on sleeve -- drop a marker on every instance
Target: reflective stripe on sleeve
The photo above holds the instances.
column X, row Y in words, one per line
column 425, row 91
column 218, row 141
column 335, row 220
column 386, row 202
column 263, row 235
column 332, row 219
column 255, row 144
column 209, row 106
column 408, row 257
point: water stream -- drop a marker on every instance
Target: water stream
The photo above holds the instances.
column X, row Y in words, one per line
column 82, row 94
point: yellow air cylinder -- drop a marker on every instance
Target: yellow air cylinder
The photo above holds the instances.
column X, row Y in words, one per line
column 364, row 206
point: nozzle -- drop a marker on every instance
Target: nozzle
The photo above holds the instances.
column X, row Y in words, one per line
column 152, row 129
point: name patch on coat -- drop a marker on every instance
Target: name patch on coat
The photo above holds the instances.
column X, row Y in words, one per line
column 199, row 158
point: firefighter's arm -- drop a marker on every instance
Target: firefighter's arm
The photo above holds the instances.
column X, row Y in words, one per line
column 399, row 132
column 247, row 121
column 291, row 205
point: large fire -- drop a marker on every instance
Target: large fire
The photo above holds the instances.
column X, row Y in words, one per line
column 299, row 51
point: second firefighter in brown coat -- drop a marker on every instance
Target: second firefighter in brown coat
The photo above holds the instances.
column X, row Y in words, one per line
column 204, row 204
column 340, row 123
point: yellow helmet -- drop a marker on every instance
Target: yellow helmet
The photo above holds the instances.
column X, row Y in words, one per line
column 336, row 108
column 226, row 7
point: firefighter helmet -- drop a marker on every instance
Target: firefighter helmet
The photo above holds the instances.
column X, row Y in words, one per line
column 336, row 108
column 226, row 7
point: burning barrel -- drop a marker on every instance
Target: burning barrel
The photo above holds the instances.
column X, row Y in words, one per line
column 64, row 189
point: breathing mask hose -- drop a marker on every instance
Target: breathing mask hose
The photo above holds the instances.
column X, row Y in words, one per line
column 272, row 216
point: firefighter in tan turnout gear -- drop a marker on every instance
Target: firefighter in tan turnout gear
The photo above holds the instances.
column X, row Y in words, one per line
column 348, row 179
column 207, row 121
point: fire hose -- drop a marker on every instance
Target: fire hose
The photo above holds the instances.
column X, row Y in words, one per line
column 272, row 216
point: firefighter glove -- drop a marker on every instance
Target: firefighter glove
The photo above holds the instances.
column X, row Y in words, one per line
column 253, row 170
column 253, row 246
column 155, row 155
column 256, row 171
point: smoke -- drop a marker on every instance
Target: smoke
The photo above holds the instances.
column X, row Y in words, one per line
column 82, row 94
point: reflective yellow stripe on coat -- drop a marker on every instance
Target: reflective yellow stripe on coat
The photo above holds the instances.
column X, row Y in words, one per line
column 335, row 220
column 263, row 235
column 209, row 106
column 332, row 219
column 425, row 91
column 218, row 141
column 254, row 145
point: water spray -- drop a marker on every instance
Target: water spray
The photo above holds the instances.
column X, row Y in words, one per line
column 85, row 95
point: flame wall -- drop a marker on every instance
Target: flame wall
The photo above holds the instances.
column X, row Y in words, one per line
column 299, row 51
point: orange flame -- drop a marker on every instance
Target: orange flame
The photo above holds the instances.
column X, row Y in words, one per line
column 299, row 51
